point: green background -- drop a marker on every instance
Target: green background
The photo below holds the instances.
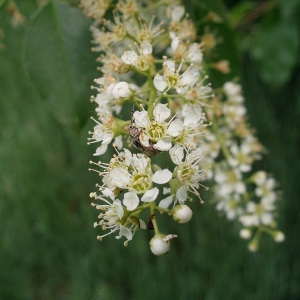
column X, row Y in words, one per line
column 48, row 247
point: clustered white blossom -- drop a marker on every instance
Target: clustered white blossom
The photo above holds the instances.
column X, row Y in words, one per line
column 153, row 100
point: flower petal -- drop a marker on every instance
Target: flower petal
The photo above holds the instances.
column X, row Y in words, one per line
column 163, row 145
column 141, row 119
column 176, row 154
column 175, row 128
column 181, row 194
column 119, row 208
column 124, row 231
column 131, row 200
column 159, row 83
column 161, row 113
column 165, row 203
column 119, row 177
column 162, row 176
column 150, row 195
column 129, row 57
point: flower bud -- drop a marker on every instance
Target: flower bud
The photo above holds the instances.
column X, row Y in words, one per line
column 245, row 233
column 182, row 214
column 121, row 90
column 279, row 236
column 160, row 243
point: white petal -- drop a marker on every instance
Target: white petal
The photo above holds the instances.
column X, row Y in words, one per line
column 108, row 193
column 162, row 176
column 165, row 203
column 141, row 119
column 163, row 145
column 159, row 83
column 119, row 177
column 107, row 137
column 121, row 90
column 150, row 195
column 142, row 224
column 119, row 142
column 175, row 43
column 131, row 200
column 101, row 150
column 119, row 208
column 146, row 48
column 176, row 154
column 177, row 13
column 175, row 128
column 161, row 113
column 181, row 194
column 192, row 114
column 140, row 163
column 124, row 231
column 189, row 77
column 129, row 57
column 169, row 67
column 144, row 139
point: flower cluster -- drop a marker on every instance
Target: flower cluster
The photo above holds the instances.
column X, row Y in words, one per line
column 153, row 100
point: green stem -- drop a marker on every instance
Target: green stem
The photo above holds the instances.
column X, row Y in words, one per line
column 153, row 217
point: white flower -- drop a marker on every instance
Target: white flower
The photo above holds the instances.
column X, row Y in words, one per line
column 265, row 190
column 111, row 218
column 229, row 181
column 188, row 131
column 233, row 91
column 257, row 214
column 188, row 171
column 241, row 158
column 190, row 53
column 133, row 173
column 141, row 62
column 171, row 78
column 156, row 132
column 103, row 132
column 110, row 93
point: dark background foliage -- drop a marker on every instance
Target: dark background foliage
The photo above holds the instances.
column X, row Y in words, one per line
column 48, row 247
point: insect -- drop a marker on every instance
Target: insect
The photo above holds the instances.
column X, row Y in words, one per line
column 135, row 135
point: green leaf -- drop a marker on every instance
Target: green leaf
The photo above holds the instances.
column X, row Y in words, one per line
column 275, row 49
column 226, row 49
column 60, row 63
column 238, row 13
column 217, row 6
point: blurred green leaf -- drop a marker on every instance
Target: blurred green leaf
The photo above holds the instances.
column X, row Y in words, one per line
column 275, row 49
column 217, row 6
column 59, row 61
column 238, row 13
column 226, row 49
column 289, row 7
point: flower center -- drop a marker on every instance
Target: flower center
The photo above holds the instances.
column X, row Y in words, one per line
column 156, row 131
column 141, row 183
column 185, row 173
column 172, row 80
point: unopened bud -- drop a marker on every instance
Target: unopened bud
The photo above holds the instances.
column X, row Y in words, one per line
column 182, row 214
column 160, row 243
column 245, row 233
column 279, row 237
